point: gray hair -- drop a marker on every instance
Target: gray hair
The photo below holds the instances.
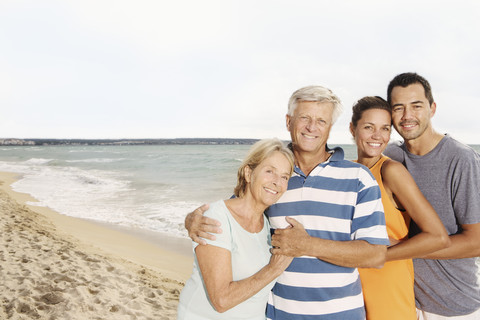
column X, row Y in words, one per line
column 317, row 94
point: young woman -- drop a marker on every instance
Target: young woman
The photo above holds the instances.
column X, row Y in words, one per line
column 388, row 292
column 233, row 275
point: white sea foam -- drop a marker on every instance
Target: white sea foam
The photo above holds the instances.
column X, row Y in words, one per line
column 37, row 161
column 95, row 160
column 151, row 188
column 147, row 187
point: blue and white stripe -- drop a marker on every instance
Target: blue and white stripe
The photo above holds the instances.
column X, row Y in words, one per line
column 339, row 200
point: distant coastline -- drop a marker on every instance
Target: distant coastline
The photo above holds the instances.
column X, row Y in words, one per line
column 131, row 142
column 117, row 142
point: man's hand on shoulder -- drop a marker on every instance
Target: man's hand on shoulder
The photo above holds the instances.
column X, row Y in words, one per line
column 199, row 226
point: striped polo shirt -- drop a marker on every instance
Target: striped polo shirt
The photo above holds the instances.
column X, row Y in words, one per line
column 340, row 200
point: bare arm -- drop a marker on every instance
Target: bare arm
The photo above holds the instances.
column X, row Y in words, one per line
column 295, row 241
column 463, row 245
column 433, row 237
column 198, row 226
column 224, row 293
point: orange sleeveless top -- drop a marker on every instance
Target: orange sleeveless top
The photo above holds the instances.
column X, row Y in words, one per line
column 388, row 292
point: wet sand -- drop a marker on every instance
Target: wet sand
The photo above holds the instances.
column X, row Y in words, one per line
column 57, row 267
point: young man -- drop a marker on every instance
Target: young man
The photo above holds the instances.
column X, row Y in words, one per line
column 448, row 174
column 335, row 219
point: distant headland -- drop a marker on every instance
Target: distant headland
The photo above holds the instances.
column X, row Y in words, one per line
column 120, row 142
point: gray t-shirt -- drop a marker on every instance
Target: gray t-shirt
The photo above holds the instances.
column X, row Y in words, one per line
column 449, row 177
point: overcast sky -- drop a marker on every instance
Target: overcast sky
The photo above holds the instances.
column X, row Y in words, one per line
column 172, row 69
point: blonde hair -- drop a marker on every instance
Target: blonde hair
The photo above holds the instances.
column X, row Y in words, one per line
column 258, row 152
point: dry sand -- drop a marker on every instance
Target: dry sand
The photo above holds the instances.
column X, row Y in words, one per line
column 57, row 267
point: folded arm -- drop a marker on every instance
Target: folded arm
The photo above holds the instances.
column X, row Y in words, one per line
column 398, row 182
column 295, row 241
column 465, row 244
column 224, row 293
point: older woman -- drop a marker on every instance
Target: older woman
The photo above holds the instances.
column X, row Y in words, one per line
column 232, row 275
column 388, row 292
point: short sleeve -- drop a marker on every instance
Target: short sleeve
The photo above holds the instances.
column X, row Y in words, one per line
column 394, row 151
column 218, row 211
column 369, row 219
column 466, row 183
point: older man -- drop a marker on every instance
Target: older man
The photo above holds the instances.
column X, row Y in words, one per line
column 332, row 215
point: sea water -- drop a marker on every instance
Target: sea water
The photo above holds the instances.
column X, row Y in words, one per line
column 145, row 187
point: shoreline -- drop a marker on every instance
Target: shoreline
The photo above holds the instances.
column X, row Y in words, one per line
column 169, row 255
column 53, row 266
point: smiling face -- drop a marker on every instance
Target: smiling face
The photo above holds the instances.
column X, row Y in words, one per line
column 372, row 133
column 310, row 126
column 269, row 180
column 411, row 111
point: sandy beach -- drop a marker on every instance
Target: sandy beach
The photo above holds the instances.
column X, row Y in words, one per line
column 57, row 267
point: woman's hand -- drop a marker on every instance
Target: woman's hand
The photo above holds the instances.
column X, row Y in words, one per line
column 279, row 263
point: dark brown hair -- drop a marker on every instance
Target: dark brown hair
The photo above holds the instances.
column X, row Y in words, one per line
column 367, row 103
